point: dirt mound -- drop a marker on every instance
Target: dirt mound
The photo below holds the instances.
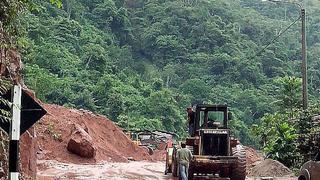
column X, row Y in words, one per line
column 159, row 155
column 271, row 168
column 253, row 156
column 54, row 131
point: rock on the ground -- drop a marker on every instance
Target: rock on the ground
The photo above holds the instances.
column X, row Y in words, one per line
column 28, row 158
column 81, row 143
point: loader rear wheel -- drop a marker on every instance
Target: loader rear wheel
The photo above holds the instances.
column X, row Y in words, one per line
column 239, row 171
column 190, row 173
column 174, row 163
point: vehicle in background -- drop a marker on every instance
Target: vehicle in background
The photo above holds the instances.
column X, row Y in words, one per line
column 311, row 169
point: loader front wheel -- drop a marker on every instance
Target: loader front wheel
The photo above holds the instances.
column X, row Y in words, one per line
column 239, row 171
column 190, row 173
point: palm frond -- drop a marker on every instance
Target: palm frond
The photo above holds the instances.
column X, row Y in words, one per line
column 4, row 104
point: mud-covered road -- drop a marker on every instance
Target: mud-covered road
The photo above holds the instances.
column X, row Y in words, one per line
column 54, row 170
column 139, row 170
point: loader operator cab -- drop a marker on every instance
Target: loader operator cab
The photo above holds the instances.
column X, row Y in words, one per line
column 211, row 125
column 211, row 116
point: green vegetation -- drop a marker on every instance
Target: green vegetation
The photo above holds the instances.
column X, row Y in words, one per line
column 55, row 135
column 4, row 104
column 142, row 63
column 289, row 135
column 10, row 38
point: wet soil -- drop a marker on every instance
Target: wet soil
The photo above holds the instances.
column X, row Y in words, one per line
column 140, row 170
column 270, row 168
column 137, row 170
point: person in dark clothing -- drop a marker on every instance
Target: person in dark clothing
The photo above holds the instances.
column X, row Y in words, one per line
column 191, row 117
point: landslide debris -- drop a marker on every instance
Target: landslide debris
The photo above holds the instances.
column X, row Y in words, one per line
column 270, row 168
column 253, row 157
column 112, row 145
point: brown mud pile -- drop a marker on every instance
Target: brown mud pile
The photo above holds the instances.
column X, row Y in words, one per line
column 253, row 156
column 54, row 131
column 159, row 155
column 270, row 168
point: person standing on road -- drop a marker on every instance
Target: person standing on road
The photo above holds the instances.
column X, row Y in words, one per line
column 184, row 156
column 191, row 116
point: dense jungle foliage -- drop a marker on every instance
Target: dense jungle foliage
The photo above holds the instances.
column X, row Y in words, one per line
column 142, row 62
column 146, row 61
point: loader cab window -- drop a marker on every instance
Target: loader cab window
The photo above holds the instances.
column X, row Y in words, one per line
column 214, row 119
column 134, row 136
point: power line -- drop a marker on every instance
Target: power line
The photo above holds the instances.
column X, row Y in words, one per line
column 274, row 39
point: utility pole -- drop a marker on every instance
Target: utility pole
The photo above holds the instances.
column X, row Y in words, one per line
column 304, row 60
column 303, row 51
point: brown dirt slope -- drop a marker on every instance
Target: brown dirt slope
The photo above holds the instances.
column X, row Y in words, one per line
column 271, row 168
column 54, row 130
